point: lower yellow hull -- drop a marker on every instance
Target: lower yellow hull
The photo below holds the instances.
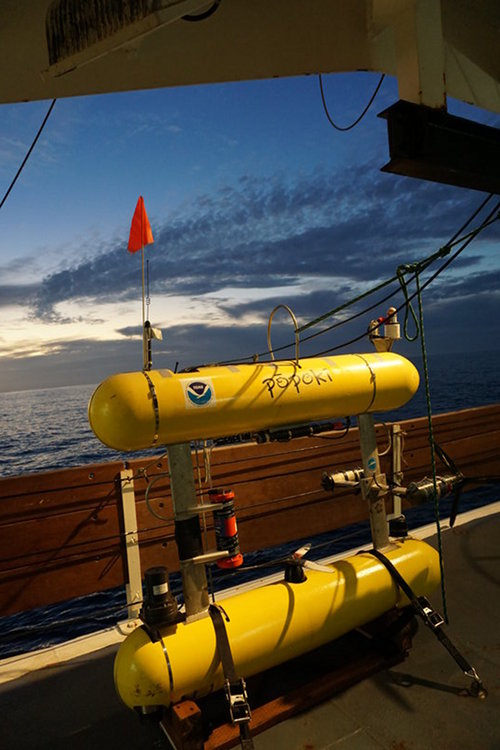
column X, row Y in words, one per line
column 269, row 625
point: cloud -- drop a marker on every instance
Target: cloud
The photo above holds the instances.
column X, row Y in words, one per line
column 16, row 294
column 257, row 234
column 451, row 326
column 472, row 285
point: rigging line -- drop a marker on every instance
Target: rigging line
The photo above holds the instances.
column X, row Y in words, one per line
column 470, row 237
column 256, row 357
column 487, row 222
column 432, row 446
column 343, row 345
column 348, row 320
column 323, row 317
column 471, row 218
column 421, row 265
column 29, row 152
column 314, row 322
column 445, row 249
column 330, row 313
column 358, row 119
column 465, row 242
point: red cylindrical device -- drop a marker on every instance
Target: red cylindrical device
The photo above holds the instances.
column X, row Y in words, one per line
column 226, row 530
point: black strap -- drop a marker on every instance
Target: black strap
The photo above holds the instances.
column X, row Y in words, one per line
column 432, row 619
column 235, row 687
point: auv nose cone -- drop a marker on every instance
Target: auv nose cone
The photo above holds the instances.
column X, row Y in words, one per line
column 121, row 412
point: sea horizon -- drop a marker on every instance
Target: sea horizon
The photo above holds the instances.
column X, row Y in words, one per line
column 47, row 428
column 95, row 383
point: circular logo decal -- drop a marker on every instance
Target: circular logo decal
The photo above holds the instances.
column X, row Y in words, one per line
column 199, row 393
column 372, row 464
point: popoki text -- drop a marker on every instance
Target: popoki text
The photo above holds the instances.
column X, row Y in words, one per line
column 279, row 382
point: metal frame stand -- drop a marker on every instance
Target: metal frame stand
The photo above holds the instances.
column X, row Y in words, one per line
column 373, row 485
column 194, row 579
column 133, row 588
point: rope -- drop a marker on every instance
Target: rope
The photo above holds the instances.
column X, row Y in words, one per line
column 408, row 306
column 420, row 326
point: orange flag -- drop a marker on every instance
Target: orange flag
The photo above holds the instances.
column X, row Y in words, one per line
column 140, row 230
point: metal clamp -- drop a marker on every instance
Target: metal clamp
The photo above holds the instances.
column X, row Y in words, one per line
column 237, row 698
column 206, row 557
column 432, row 618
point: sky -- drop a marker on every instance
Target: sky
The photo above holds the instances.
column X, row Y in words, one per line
column 254, row 201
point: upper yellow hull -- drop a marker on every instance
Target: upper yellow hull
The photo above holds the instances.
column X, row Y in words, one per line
column 133, row 411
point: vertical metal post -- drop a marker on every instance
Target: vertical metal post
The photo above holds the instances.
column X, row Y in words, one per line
column 187, row 528
column 397, row 473
column 133, row 588
column 373, row 486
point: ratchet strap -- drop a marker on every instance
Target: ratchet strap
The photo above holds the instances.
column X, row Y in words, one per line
column 434, row 622
column 235, row 687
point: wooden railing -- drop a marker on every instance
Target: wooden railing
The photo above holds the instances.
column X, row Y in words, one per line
column 63, row 533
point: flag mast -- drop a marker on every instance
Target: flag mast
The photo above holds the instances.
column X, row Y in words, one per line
column 141, row 235
column 146, row 364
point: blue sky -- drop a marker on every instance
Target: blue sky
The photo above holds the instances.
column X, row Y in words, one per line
column 254, row 200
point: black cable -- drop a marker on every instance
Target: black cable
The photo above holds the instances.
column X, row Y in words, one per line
column 204, row 15
column 453, row 241
column 471, row 218
column 346, row 320
column 29, row 152
column 449, row 244
column 363, row 113
column 453, row 257
column 255, row 357
column 280, row 561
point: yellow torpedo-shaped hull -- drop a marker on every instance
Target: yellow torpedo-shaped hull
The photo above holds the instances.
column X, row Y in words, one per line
column 269, row 625
column 137, row 410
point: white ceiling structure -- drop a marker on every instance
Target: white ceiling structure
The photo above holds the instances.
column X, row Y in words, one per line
column 73, row 47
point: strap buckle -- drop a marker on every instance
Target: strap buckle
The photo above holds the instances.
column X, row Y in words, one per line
column 239, row 708
column 432, row 618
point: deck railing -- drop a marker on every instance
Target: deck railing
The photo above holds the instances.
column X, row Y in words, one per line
column 76, row 531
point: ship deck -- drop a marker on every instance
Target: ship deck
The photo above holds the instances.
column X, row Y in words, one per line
column 418, row 704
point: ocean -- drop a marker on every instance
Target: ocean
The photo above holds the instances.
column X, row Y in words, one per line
column 47, row 429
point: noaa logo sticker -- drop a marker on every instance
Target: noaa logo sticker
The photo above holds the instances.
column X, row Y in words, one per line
column 372, row 464
column 199, row 393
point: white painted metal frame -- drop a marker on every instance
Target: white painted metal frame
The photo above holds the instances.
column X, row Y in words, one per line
column 134, row 586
